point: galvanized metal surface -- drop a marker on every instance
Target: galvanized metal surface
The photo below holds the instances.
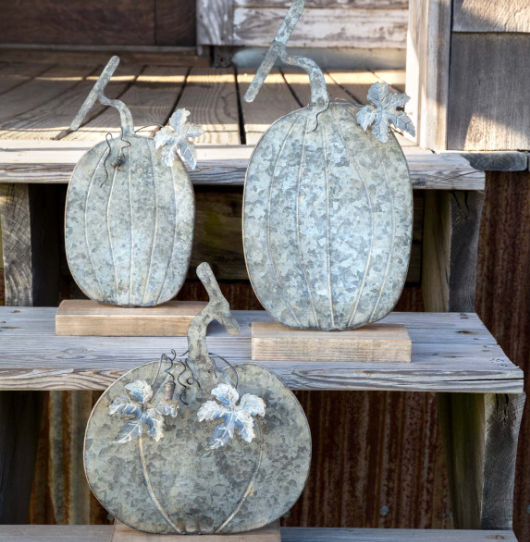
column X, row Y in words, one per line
column 130, row 211
column 161, row 470
column 327, row 206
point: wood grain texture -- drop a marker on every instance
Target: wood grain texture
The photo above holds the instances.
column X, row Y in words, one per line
column 481, row 434
column 488, row 81
column 125, row 22
column 101, row 533
column 53, row 162
column 372, row 343
column 151, row 100
column 365, row 28
column 452, row 225
column 90, row 318
column 211, row 96
column 122, row 533
column 14, row 75
column 497, row 161
column 214, row 22
column 427, row 84
column 175, row 22
column 331, row 4
column 471, row 360
column 274, row 100
column 498, row 16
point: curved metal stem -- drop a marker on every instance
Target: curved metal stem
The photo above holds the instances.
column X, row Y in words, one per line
column 150, row 489
column 98, row 93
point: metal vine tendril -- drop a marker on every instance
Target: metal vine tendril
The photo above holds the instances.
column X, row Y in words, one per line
column 120, row 158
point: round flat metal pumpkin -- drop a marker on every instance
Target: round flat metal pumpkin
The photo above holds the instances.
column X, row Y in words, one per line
column 328, row 206
column 130, row 212
column 224, row 452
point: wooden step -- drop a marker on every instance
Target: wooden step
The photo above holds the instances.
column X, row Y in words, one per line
column 98, row 533
column 451, row 352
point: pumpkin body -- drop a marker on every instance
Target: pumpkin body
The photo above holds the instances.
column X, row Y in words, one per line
column 129, row 229
column 200, row 490
column 327, row 221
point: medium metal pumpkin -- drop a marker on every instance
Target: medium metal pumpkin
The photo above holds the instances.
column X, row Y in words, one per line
column 327, row 206
column 129, row 215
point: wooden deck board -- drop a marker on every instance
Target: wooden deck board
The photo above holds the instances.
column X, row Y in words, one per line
column 103, row 533
column 450, row 352
column 14, row 75
column 211, row 97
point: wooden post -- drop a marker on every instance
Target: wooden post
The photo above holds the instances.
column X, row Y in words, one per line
column 29, row 217
column 450, row 243
column 480, row 437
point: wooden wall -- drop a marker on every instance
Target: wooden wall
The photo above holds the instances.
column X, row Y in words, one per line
column 98, row 22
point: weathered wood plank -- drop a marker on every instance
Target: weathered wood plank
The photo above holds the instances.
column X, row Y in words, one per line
column 395, row 78
column 14, row 75
column 463, row 365
column 365, row 28
column 480, row 434
column 100, row 54
column 52, row 119
column 40, row 90
column 428, row 55
column 175, row 22
column 53, row 162
column 273, row 101
column 124, row 22
column 210, row 94
column 102, row 533
column 490, row 75
column 450, row 241
column 214, row 22
column 298, row 80
column 498, row 16
column 497, row 161
column 151, row 99
column 329, row 4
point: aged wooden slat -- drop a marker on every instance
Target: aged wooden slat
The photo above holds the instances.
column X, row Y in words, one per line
column 40, row 90
column 175, row 23
column 330, row 4
column 396, row 78
column 52, row 119
column 450, row 241
column 375, row 342
column 126, row 22
column 273, row 101
column 122, row 533
column 481, row 433
column 53, row 162
column 497, row 161
column 14, row 75
column 102, row 533
column 100, row 54
column 428, row 55
column 91, row 363
column 365, row 28
column 498, row 16
column 214, row 22
column 151, row 99
column 210, row 94
column 482, row 116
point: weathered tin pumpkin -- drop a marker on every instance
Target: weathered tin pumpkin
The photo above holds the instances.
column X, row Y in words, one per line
column 185, row 447
column 130, row 210
column 327, row 206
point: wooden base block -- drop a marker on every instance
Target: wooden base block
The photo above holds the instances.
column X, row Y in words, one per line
column 88, row 317
column 122, row 533
column 373, row 343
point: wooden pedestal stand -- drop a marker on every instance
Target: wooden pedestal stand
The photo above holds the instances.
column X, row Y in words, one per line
column 373, row 343
column 122, row 533
column 90, row 318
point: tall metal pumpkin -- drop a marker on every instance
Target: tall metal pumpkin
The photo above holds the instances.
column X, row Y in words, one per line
column 327, row 212
column 130, row 210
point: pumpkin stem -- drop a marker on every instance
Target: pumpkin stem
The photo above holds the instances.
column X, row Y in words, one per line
column 98, row 93
column 217, row 309
column 319, row 93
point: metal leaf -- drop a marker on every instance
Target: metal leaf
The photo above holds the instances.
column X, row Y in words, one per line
column 387, row 108
column 233, row 415
column 122, row 405
column 176, row 138
column 140, row 391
